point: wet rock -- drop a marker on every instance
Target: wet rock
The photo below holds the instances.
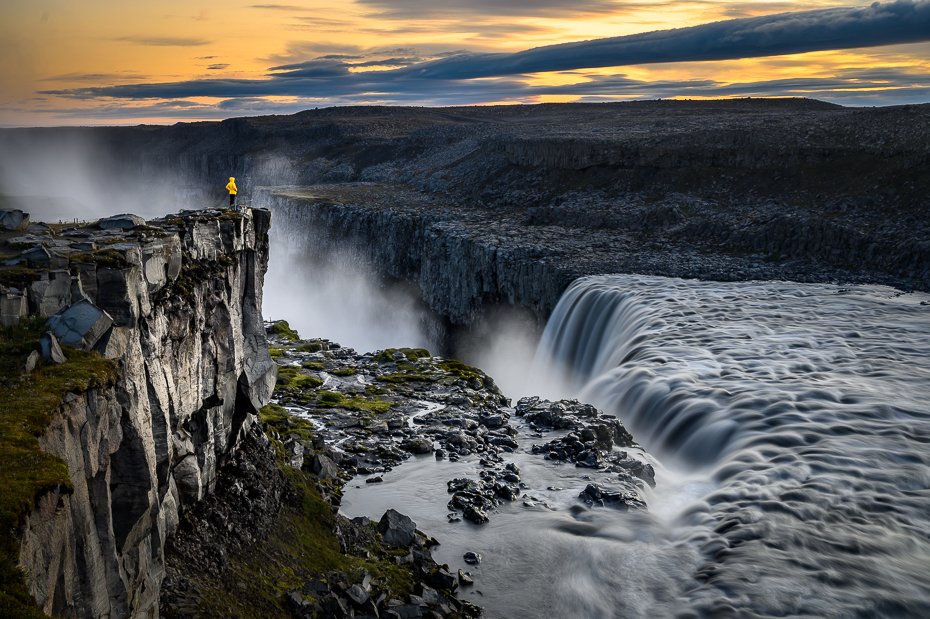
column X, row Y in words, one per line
column 464, row 579
column 472, row 558
column 595, row 494
column 418, row 445
column 442, row 580
column 476, row 515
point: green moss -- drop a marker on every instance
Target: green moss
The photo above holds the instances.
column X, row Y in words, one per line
column 109, row 258
column 412, row 354
column 18, row 277
column 331, row 399
column 310, row 347
column 297, row 380
column 27, row 406
column 312, row 365
column 457, row 368
column 275, row 352
column 343, row 372
column 284, row 330
column 284, row 423
column 405, row 377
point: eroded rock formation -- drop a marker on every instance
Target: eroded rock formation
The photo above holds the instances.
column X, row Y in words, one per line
column 185, row 298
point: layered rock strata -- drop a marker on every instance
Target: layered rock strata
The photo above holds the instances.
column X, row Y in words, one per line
column 180, row 305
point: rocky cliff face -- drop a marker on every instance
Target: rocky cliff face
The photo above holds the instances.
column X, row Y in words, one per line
column 184, row 295
column 459, row 273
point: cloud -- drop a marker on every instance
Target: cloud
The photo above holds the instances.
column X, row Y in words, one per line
column 433, row 9
column 216, row 67
column 903, row 21
column 166, row 41
column 330, row 78
column 279, row 7
column 93, row 77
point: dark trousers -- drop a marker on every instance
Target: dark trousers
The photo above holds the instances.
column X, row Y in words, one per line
column 232, row 199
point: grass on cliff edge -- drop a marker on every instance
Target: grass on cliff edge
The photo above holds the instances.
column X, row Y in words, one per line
column 27, row 406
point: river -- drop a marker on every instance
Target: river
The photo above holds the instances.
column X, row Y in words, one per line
column 788, row 425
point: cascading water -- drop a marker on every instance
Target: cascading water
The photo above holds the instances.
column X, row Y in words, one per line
column 791, row 425
column 809, row 408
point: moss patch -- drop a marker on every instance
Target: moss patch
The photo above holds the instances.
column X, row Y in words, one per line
column 18, row 277
column 284, row 330
column 344, row 372
column 412, row 354
column 331, row 399
column 109, row 258
column 297, row 380
column 284, row 423
column 27, row 406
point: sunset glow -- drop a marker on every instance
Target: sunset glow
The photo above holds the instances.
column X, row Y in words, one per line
column 61, row 59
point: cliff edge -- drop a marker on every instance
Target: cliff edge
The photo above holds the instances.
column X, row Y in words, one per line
column 162, row 367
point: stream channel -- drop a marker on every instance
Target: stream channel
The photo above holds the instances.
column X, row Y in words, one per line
column 788, row 425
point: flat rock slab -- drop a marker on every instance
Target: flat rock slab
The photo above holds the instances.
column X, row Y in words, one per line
column 80, row 326
column 125, row 221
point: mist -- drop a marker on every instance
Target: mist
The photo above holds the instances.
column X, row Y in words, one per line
column 344, row 305
column 503, row 343
column 70, row 175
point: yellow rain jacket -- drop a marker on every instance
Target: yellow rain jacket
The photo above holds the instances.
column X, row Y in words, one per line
column 231, row 187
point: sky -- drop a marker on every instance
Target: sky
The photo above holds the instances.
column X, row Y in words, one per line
column 99, row 62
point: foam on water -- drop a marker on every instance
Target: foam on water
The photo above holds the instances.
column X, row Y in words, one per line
column 792, row 422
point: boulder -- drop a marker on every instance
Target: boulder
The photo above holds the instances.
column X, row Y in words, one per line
column 13, row 219
column 51, row 351
column 44, row 257
column 80, row 326
column 31, row 362
column 125, row 222
column 296, row 451
column 13, row 306
column 418, row 445
column 397, row 529
column 50, row 293
column 324, row 467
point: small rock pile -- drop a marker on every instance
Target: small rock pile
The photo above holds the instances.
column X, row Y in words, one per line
column 434, row 590
column 475, row 498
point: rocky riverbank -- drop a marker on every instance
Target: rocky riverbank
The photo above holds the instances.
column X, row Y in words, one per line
column 271, row 540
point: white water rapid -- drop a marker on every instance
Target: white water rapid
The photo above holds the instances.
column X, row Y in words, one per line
column 791, row 424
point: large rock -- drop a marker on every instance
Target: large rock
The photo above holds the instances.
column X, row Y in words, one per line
column 50, row 293
column 125, row 222
column 397, row 529
column 80, row 326
column 14, row 219
column 51, row 351
column 41, row 256
column 324, row 467
column 13, row 306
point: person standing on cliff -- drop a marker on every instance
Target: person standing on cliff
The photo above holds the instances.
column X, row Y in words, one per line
column 231, row 188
